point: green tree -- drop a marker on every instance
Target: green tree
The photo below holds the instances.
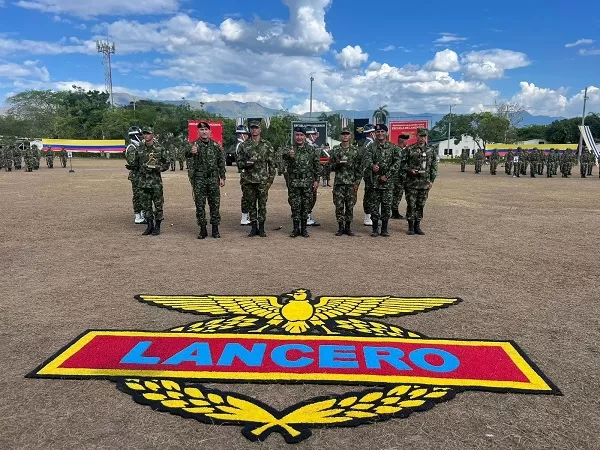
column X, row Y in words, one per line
column 280, row 131
column 532, row 132
column 381, row 114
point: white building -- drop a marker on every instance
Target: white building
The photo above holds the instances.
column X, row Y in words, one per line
column 448, row 149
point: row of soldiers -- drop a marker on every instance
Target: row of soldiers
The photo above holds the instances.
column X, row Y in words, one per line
column 516, row 162
column 14, row 155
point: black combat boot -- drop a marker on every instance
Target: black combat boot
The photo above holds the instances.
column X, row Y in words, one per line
column 396, row 214
column 156, row 230
column 261, row 229
column 418, row 228
column 254, row 229
column 340, row 230
column 296, row 230
column 215, row 231
column 304, row 229
column 150, row 228
column 347, row 230
column 203, row 232
column 384, row 230
column 411, row 227
column 375, row 231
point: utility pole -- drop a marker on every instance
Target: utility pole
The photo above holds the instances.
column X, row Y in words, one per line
column 449, row 128
column 585, row 97
column 311, row 84
column 107, row 48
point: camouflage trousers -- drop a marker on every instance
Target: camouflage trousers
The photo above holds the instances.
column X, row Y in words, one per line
column 344, row 199
column 523, row 167
column 590, row 168
column 463, row 165
column 508, row 165
column 256, row 200
column 36, row 163
column 8, row 163
column 244, row 202
column 397, row 194
column 152, row 201
column 415, row 203
column 63, row 162
column 326, row 173
column 366, row 199
column 135, row 189
column 493, row 167
column 301, row 202
column 180, row 160
column 478, row 165
column 540, row 168
column 50, row 161
column 314, row 199
column 30, row 163
column 379, row 203
column 172, row 164
column 583, row 168
column 551, row 168
column 517, row 169
column 207, row 192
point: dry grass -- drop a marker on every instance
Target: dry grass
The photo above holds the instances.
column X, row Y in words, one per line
column 520, row 252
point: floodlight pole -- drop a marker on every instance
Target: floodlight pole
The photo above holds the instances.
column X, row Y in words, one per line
column 311, row 87
column 107, row 48
column 449, row 128
column 585, row 97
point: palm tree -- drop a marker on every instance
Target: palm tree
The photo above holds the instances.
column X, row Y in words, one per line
column 323, row 117
column 381, row 114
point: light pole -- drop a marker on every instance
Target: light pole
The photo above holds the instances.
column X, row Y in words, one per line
column 449, row 128
column 310, row 106
column 585, row 97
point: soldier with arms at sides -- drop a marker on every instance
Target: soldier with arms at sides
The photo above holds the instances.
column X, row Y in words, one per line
column 135, row 136
column 242, row 135
column 399, row 181
column 369, row 132
column 464, row 157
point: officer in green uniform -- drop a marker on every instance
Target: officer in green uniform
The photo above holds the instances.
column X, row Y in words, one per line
column 464, row 157
column 399, row 181
column 50, row 157
column 494, row 158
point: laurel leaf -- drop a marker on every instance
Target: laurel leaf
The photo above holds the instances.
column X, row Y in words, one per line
column 194, row 392
column 175, row 395
column 198, row 410
column 371, row 397
column 152, row 385
column 399, row 390
column 390, row 400
column 198, row 402
column 155, row 397
column 362, row 406
column 360, row 414
column 387, row 409
column 411, row 403
column 347, row 401
column 135, row 386
column 436, row 394
column 175, row 403
column 170, row 385
column 214, row 398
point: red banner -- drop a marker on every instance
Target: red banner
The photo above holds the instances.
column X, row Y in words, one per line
column 216, row 131
column 406, row 126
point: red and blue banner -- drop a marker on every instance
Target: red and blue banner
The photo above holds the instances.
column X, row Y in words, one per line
column 85, row 145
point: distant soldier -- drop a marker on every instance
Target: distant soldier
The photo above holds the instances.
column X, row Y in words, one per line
column 242, row 135
column 524, row 161
column 541, row 160
column 494, row 158
column 29, row 156
column 583, row 162
column 419, row 164
column 508, row 162
column 256, row 157
column 209, row 178
column 311, row 140
column 569, row 161
column 369, row 132
column 8, row 158
column 325, row 165
column 1, row 156
column 135, row 137
column 399, row 181
column 180, row 150
column 17, row 156
column 533, row 162
column 63, row 157
column 50, row 157
column 37, row 157
column 464, row 158
column 591, row 163
column 172, row 151
column 517, row 161
column 347, row 162
column 479, row 159
column 550, row 163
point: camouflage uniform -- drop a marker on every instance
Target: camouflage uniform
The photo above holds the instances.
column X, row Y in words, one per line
column 7, row 156
column 583, row 162
column 550, row 164
column 494, row 157
column 17, row 156
column 479, row 158
column 172, row 152
column 380, row 192
column 464, row 157
column 317, row 150
column 37, row 156
column 29, row 157
column 508, row 162
column 134, row 177
column 209, row 169
column 517, row 162
column 180, row 154
column 363, row 150
column 257, row 163
column 63, row 157
column 244, row 202
column 533, row 162
column 524, row 160
column 348, row 172
column 326, row 167
column 541, row 159
column 303, row 171
column 50, row 158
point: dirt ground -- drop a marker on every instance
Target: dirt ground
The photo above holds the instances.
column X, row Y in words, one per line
column 521, row 253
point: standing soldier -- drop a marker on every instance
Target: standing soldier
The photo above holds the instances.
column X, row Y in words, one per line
column 369, row 132
column 172, row 151
column 242, row 135
column 550, row 164
column 151, row 160
column 325, row 165
column 419, row 164
column 63, row 157
column 517, row 161
column 29, row 157
column 8, row 158
column 479, row 158
column 256, row 158
column 533, row 162
column 50, row 157
column 381, row 167
column 303, row 174
column 399, row 180
column 209, row 178
column 508, row 162
column 135, row 138
column 37, row 157
column 541, row 159
column 524, row 161
column 346, row 160
column 464, row 157
column 311, row 140
column 17, row 155
column 591, row 163
column 494, row 157
column 181, row 145
column 583, row 162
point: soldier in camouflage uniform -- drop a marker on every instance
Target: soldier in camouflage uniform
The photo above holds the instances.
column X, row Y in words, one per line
column 7, row 156
column 29, row 157
column 541, row 160
column 171, row 151
column 242, row 135
column 517, row 161
column 550, row 164
column 508, row 162
column 369, row 132
column 209, row 178
column 382, row 164
column 50, row 157
column 151, row 159
column 533, row 162
column 181, row 150
column 37, row 154
column 398, row 181
column 524, row 161
column 302, row 163
column 479, row 158
column 591, row 163
column 464, row 157
column 63, row 157
column 326, row 165
column 494, row 157
column 17, row 156
column 566, row 164
column 256, row 158
column 584, row 161
column 135, row 136
column 311, row 140
column 346, row 160
column 419, row 164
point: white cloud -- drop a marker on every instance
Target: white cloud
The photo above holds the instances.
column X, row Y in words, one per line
column 388, row 48
column 24, row 46
column 593, row 51
column 27, row 69
column 93, row 8
column 445, row 61
column 446, row 38
column 580, row 42
column 304, row 107
column 538, row 100
column 351, row 57
column 491, row 64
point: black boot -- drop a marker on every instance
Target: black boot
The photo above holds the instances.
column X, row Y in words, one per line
column 203, row 232
column 411, row 227
column 396, row 214
column 296, row 230
column 215, row 231
column 384, row 228
column 340, row 230
column 254, row 229
column 261, row 229
column 150, row 228
column 347, row 230
column 304, row 229
column 418, row 228
column 375, row 231
column 156, row 230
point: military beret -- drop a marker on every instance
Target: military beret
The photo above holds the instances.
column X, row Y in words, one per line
column 254, row 123
column 368, row 128
column 422, row 131
column 203, row 125
column 404, row 136
column 299, row 130
column 147, row 130
column 345, row 130
column 381, row 127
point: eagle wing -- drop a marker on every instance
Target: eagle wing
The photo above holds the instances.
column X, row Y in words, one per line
column 329, row 307
column 264, row 306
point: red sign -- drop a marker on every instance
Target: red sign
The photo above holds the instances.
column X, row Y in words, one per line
column 216, row 131
column 409, row 126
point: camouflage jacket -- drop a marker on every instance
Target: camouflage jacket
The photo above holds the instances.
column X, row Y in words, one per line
column 495, row 156
column 479, row 155
column 464, row 155
column 131, row 162
column 233, row 150
column 154, row 155
column 387, row 157
column 303, row 169
column 209, row 162
column 349, row 172
column 49, row 153
column 423, row 159
column 509, row 156
column 262, row 154
column 63, row 153
column 533, row 157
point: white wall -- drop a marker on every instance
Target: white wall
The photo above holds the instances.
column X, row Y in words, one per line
column 465, row 142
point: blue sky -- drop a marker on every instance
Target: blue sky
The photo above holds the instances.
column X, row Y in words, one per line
column 412, row 57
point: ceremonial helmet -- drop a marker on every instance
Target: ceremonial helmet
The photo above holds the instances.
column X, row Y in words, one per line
column 135, row 134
